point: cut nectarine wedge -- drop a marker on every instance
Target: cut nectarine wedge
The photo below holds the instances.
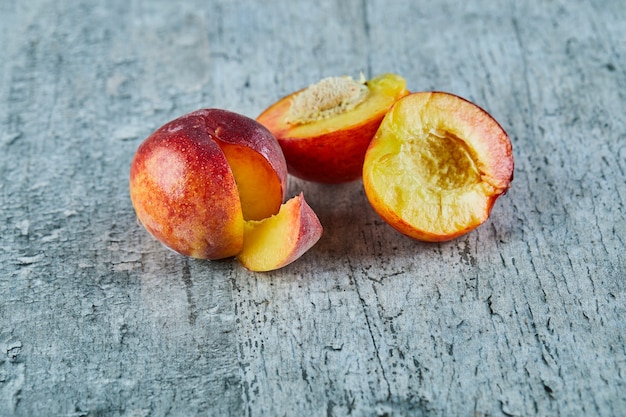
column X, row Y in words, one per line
column 436, row 166
column 277, row 241
column 257, row 164
column 258, row 184
column 324, row 130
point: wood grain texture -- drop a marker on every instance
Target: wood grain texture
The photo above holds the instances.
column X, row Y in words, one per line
column 524, row 316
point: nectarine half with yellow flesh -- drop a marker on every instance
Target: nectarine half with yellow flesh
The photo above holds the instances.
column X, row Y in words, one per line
column 196, row 181
column 324, row 130
column 436, row 166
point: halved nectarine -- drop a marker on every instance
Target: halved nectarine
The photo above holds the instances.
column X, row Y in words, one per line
column 279, row 240
column 436, row 166
column 324, row 130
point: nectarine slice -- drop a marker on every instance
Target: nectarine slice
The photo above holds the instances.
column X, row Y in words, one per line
column 255, row 158
column 277, row 241
column 436, row 166
column 257, row 182
column 324, row 130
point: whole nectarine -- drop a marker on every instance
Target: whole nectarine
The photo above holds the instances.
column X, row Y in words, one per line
column 436, row 166
column 195, row 180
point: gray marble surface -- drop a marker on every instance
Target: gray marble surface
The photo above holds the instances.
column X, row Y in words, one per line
column 524, row 316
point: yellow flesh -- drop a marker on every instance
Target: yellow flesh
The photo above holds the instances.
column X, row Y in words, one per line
column 269, row 242
column 383, row 92
column 259, row 188
column 425, row 174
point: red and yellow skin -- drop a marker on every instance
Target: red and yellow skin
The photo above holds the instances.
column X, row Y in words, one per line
column 195, row 180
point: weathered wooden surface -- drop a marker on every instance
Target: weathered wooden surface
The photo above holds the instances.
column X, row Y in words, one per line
column 524, row 316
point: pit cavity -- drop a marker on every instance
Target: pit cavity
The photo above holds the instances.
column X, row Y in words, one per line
column 442, row 161
column 327, row 98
